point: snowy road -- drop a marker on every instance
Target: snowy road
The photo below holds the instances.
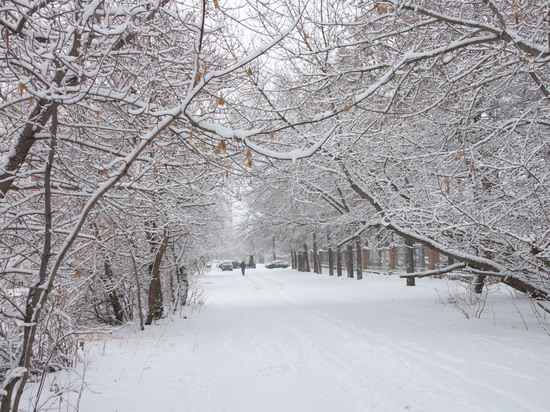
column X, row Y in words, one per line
column 279, row 340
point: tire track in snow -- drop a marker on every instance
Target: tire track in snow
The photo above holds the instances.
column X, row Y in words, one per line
column 299, row 350
column 295, row 344
column 411, row 368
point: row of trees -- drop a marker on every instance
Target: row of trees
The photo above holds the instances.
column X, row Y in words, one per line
column 440, row 111
column 120, row 127
column 123, row 126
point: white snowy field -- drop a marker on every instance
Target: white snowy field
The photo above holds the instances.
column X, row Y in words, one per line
column 280, row 340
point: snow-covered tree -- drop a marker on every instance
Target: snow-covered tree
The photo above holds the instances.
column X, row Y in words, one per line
column 440, row 111
column 120, row 123
column 95, row 97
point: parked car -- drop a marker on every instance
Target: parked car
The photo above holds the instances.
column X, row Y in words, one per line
column 236, row 265
column 277, row 264
column 227, row 265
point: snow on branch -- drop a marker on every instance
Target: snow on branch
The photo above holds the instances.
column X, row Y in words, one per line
column 434, row 272
column 244, row 135
column 502, row 32
column 413, row 57
column 293, row 154
column 472, row 260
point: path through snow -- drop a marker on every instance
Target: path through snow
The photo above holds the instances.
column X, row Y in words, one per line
column 279, row 340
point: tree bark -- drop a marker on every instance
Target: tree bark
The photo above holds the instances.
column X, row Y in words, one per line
column 38, row 294
column 307, row 268
column 156, row 303
column 138, row 289
column 350, row 260
column 112, row 294
column 409, row 260
column 478, row 283
column 392, row 264
column 316, row 268
column 330, row 262
column 183, row 283
column 301, row 265
column 338, row 261
column 358, row 253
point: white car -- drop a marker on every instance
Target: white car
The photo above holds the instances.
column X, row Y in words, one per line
column 227, row 265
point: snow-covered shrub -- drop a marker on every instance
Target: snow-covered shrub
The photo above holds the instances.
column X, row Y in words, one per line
column 461, row 295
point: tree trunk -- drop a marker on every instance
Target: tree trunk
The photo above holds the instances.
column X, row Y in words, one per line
column 358, row 253
column 182, row 288
column 301, row 265
column 307, row 268
column 350, row 261
column 112, row 294
column 37, row 295
column 316, row 268
column 330, row 262
column 184, row 280
column 409, row 260
column 138, row 289
column 338, row 261
column 156, row 303
column 478, row 284
column 392, row 264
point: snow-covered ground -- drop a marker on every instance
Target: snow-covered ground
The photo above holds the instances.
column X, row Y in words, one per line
column 280, row 340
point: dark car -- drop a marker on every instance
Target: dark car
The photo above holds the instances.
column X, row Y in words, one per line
column 277, row 264
column 236, row 265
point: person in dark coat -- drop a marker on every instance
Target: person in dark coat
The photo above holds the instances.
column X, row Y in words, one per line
column 243, row 266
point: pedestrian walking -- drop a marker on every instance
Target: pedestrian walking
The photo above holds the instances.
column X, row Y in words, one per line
column 243, row 266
